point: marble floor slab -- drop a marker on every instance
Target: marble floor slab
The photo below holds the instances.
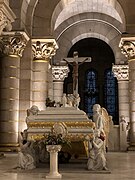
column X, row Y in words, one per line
column 121, row 167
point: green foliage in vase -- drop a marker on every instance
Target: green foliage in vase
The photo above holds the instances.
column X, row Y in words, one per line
column 56, row 139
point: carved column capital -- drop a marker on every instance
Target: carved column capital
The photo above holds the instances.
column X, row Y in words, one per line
column 43, row 49
column 53, row 148
column 59, row 73
column 13, row 43
column 121, row 72
column 127, row 46
column 6, row 16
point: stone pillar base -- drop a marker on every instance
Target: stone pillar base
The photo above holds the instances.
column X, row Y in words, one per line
column 54, row 176
column 9, row 148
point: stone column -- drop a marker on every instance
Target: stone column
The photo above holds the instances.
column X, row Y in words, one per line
column 43, row 50
column 121, row 72
column 59, row 73
column 127, row 46
column 53, row 150
column 12, row 46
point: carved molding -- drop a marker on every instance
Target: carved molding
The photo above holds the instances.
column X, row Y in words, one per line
column 121, row 72
column 127, row 46
column 13, row 43
column 70, row 124
column 59, row 73
column 6, row 16
column 43, row 49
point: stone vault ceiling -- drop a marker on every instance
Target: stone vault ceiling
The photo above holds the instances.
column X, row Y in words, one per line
column 35, row 15
column 73, row 7
column 69, row 21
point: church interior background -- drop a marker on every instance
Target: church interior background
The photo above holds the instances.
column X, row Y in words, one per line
column 35, row 37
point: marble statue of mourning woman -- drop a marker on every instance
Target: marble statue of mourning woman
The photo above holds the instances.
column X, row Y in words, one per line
column 102, row 121
column 90, row 152
column 25, row 156
column 98, row 118
column 96, row 159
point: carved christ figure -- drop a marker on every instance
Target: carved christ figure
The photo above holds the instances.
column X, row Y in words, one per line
column 75, row 64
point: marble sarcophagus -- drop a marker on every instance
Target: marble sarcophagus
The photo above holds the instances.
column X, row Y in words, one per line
column 74, row 125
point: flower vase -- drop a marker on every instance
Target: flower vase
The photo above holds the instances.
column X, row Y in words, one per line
column 53, row 150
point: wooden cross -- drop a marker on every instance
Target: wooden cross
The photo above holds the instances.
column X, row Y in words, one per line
column 74, row 62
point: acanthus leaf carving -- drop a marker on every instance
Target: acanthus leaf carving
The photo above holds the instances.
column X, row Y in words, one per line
column 13, row 43
column 121, row 72
column 59, row 73
column 128, row 48
column 43, row 50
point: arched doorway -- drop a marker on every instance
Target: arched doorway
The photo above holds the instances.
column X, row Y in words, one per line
column 100, row 88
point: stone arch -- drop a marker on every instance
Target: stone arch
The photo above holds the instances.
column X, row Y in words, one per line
column 24, row 11
column 42, row 17
column 66, row 9
column 24, row 7
column 89, row 35
column 87, row 17
column 16, row 7
column 100, row 30
column 29, row 15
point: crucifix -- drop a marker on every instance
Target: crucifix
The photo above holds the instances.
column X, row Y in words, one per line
column 74, row 62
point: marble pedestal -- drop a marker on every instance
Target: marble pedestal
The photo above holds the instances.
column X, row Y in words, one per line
column 53, row 150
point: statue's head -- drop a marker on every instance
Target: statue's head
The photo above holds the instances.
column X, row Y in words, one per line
column 34, row 110
column 96, row 108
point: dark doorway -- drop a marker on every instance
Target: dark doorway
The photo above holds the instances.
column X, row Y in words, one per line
column 102, row 59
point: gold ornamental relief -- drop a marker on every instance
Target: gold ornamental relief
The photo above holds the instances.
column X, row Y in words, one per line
column 71, row 137
column 70, row 124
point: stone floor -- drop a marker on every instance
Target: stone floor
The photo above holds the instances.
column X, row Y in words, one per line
column 121, row 166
